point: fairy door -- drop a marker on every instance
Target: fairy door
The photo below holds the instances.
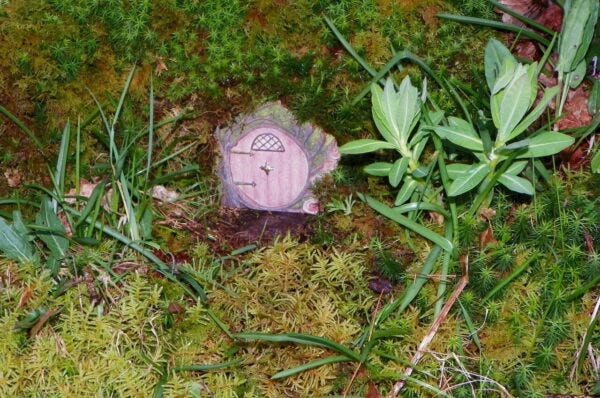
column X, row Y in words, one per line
column 268, row 168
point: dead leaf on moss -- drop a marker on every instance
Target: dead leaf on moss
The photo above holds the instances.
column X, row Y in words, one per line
column 163, row 194
column 487, row 214
column 575, row 111
column 43, row 319
column 25, row 298
column 14, row 178
column 545, row 12
column 486, row 238
column 372, row 391
column 160, row 66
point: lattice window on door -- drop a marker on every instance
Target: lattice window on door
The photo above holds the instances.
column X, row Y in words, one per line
column 267, row 143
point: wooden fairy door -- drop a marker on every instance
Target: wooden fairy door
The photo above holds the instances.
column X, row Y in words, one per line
column 269, row 169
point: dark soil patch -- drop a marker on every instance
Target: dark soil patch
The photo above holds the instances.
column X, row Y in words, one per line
column 235, row 228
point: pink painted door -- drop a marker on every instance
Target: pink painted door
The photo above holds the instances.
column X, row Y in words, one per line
column 269, row 169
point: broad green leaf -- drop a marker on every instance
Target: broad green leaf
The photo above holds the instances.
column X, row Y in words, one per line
column 397, row 171
column 469, row 180
column 588, row 33
column 54, row 236
column 517, row 167
column 546, row 144
column 408, row 116
column 420, row 172
column 457, row 170
column 505, row 74
column 575, row 23
column 461, row 137
column 380, row 116
column 406, row 191
column 577, row 75
column 596, row 162
column 364, row 146
column 379, row 169
column 515, row 103
column 495, row 102
column 517, row 184
column 495, row 54
column 408, row 223
column 594, row 101
column 549, row 94
column 13, row 245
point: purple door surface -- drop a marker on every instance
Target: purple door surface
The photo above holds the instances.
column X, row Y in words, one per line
column 269, row 169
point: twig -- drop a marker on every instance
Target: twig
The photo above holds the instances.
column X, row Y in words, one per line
column 585, row 341
column 434, row 328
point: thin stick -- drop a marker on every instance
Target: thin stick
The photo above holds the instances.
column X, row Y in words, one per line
column 434, row 328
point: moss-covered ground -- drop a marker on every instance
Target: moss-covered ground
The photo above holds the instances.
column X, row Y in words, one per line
column 119, row 329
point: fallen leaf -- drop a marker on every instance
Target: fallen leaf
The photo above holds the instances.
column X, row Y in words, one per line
column 14, row 177
column 575, row 111
column 372, row 391
column 163, row 194
column 589, row 242
column 486, row 238
column 42, row 321
column 175, row 308
column 160, row 66
column 25, row 297
column 381, row 285
column 487, row 214
column 545, row 12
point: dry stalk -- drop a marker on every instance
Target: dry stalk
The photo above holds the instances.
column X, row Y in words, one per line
column 434, row 327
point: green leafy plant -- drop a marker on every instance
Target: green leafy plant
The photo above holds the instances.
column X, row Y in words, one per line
column 513, row 88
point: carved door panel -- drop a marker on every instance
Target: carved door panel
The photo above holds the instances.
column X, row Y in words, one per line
column 269, row 169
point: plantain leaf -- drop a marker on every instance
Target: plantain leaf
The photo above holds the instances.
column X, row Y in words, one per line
column 379, row 107
column 505, row 74
column 406, row 191
column 408, row 116
column 364, row 146
column 495, row 54
column 596, row 162
column 546, row 144
column 517, row 184
column 517, row 167
column 594, row 101
column 457, row 170
column 549, row 94
column 14, row 245
column 469, row 180
column 576, row 23
column 464, row 138
column 397, row 171
column 515, row 103
column 578, row 74
column 379, row 169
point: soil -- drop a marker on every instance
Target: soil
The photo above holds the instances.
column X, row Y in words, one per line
column 235, row 228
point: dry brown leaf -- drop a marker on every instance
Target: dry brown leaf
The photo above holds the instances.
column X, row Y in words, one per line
column 25, row 297
column 372, row 391
column 160, row 66
column 546, row 12
column 487, row 214
column 14, row 178
column 486, row 238
column 42, row 321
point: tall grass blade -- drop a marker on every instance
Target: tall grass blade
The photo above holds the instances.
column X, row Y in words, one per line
column 298, row 338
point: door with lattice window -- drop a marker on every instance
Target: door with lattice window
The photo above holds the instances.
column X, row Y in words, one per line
column 269, row 168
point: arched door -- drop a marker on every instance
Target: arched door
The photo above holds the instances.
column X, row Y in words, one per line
column 269, row 169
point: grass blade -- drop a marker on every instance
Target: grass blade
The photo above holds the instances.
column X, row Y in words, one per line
column 495, row 25
column 407, row 223
column 515, row 274
column 23, row 128
column 298, row 338
column 208, row 368
column 311, row 365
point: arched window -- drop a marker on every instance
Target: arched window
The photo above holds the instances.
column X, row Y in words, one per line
column 267, row 143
